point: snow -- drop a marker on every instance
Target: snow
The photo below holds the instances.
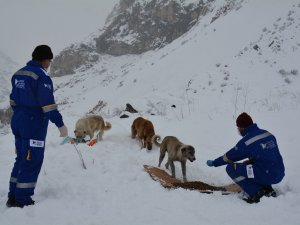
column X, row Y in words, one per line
column 210, row 74
column 125, row 36
column 183, row 2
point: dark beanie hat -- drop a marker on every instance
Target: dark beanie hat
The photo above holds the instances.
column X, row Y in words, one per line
column 42, row 52
column 244, row 120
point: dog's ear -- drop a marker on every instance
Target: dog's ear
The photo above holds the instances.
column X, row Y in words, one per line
column 188, row 149
column 183, row 149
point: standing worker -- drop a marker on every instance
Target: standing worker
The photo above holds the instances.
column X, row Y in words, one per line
column 264, row 166
column 33, row 106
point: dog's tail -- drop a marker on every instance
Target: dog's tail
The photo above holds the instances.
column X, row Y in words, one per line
column 107, row 125
column 155, row 140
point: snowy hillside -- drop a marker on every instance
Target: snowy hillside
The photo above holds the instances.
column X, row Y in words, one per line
column 222, row 60
column 247, row 60
column 7, row 68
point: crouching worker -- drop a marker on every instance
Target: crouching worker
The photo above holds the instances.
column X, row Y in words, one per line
column 264, row 165
column 33, row 104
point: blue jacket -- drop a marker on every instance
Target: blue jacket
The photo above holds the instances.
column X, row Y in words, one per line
column 32, row 90
column 261, row 148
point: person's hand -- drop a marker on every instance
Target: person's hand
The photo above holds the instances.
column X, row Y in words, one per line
column 63, row 131
column 210, row 163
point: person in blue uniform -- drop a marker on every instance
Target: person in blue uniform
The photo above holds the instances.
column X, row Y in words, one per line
column 33, row 106
column 263, row 165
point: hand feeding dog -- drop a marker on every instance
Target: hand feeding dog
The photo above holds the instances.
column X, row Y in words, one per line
column 144, row 131
column 177, row 151
column 89, row 125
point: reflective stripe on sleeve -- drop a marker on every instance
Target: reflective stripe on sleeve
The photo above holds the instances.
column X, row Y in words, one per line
column 49, row 108
column 27, row 73
column 238, row 179
column 256, row 138
column 13, row 180
column 225, row 158
column 26, row 185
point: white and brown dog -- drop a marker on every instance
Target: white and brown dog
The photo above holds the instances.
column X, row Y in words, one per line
column 89, row 125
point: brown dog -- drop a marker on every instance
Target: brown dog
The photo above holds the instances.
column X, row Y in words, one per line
column 177, row 151
column 144, row 131
column 90, row 124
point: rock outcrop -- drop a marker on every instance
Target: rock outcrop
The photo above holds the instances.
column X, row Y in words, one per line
column 133, row 27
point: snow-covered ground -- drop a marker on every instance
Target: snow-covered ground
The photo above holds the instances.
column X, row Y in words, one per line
column 211, row 74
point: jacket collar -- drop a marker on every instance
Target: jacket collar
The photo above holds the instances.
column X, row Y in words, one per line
column 249, row 129
column 34, row 63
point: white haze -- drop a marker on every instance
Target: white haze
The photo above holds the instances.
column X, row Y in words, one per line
column 26, row 24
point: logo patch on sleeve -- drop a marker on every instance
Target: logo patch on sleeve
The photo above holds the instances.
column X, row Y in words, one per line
column 268, row 145
column 20, row 84
column 36, row 143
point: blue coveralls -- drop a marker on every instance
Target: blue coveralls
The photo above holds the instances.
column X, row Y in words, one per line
column 33, row 104
column 265, row 166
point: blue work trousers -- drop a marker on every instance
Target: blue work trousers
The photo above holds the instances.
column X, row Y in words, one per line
column 30, row 130
column 250, row 178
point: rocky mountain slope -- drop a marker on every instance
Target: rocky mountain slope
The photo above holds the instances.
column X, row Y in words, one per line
column 229, row 54
column 7, row 68
column 134, row 27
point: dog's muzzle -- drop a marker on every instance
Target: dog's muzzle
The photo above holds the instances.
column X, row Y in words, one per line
column 192, row 159
column 80, row 140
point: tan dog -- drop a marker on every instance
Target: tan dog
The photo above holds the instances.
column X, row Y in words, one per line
column 177, row 151
column 90, row 124
column 144, row 131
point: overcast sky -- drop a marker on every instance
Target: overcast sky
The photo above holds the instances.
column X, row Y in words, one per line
column 58, row 23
